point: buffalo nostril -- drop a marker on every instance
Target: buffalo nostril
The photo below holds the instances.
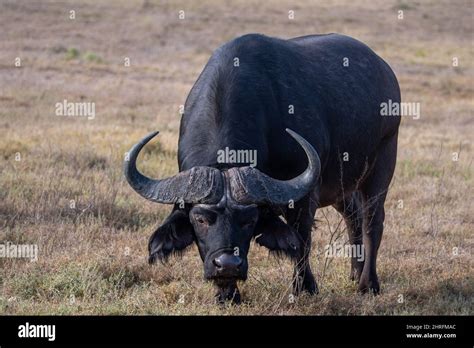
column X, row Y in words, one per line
column 228, row 262
column 217, row 263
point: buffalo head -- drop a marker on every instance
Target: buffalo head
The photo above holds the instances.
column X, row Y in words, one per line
column 221, row 211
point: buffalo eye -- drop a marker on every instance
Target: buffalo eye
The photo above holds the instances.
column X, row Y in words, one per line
column 204, row 219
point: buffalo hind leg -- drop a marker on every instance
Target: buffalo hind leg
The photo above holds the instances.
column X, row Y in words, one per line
column 301, row 217
column 351, row 210
column 374, row 191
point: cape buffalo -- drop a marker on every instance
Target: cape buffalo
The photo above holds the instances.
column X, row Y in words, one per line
column 309, row 107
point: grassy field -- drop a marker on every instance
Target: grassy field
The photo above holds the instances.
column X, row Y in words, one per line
column 62, row 188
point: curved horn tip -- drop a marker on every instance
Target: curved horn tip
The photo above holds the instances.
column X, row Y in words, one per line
column 311, row 152
column 293, row 133
column 129, row 161
column 150, row 136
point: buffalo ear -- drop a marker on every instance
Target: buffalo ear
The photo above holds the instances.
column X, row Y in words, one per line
column 274, row 234
column 173, row 236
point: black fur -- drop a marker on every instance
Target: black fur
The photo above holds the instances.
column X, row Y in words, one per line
column 171, row 238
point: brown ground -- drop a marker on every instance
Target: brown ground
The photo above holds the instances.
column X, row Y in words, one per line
column 92, row 258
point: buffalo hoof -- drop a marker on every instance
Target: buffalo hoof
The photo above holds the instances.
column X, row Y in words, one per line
column 367, row 285
column 230, row 293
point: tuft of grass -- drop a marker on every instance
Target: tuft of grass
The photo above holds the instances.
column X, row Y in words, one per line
column 405, row 6
column 72, row 53
column 92, row 57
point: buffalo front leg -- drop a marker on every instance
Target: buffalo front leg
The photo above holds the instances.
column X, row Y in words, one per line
column 301, row 218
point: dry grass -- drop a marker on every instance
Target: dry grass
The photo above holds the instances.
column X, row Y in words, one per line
column 92, row 258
